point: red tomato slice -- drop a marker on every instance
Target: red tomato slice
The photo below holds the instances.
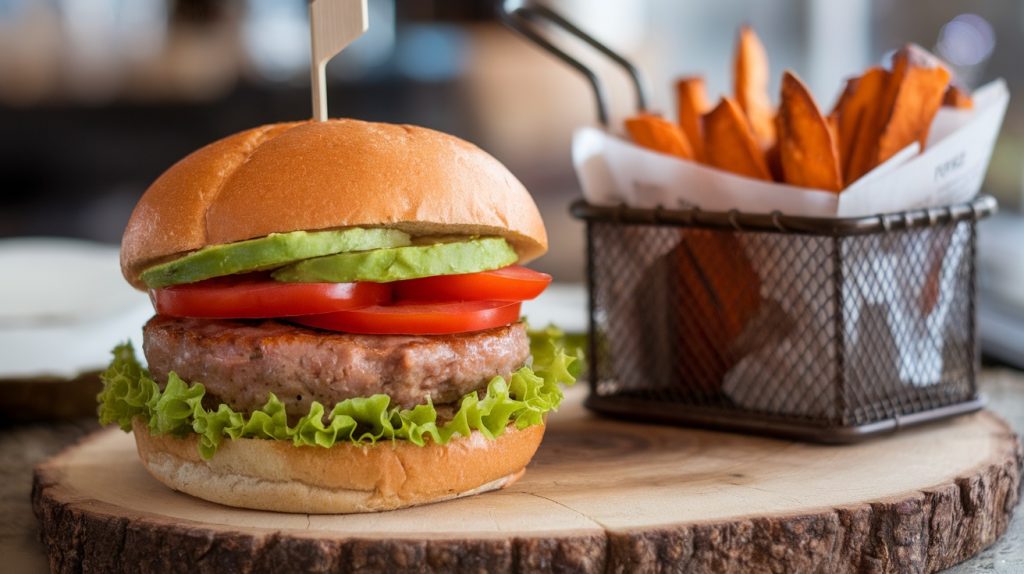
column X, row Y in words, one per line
column 259, row 297
column 418, row 319
column 513, row 283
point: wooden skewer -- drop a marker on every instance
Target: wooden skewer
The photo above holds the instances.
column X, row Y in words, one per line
column 333, row 24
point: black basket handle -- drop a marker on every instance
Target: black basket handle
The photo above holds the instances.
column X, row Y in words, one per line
column 527, row 20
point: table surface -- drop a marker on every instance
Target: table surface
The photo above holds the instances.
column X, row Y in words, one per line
column 21, row 447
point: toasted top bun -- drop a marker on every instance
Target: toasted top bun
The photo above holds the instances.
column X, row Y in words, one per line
column 327, row 175
column 275, row 475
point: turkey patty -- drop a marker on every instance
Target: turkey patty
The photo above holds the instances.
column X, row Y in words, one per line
column 241, row 362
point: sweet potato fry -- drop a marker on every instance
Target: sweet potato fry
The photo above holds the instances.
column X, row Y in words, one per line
column 856, row 115
column 916, row 88
column 659, row 134
column 832, row 123
column 855, row 111
column 692, row 99
column 844, row 99
column 773, row 156
column 750, row 86
column 774, row 159
column 729, row 143
column 902, row 114
column 719, row 294
column 807, row 151
column 956, row 97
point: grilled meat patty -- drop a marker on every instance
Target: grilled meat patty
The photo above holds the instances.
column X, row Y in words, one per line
column 240, row 362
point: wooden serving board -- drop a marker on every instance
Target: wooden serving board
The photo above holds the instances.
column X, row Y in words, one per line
column 600, row 496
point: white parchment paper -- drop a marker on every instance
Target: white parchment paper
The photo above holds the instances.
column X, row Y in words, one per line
column 613, row 170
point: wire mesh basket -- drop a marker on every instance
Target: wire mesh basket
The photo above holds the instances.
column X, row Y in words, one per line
column 815, row 328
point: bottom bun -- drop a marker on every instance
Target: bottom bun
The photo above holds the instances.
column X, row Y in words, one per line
column 275, row 475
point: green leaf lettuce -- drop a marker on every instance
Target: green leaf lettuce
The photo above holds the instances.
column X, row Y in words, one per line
column 129, row 392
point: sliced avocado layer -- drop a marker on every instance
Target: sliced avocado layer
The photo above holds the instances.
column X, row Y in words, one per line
column 274, row 250
column 385, row 265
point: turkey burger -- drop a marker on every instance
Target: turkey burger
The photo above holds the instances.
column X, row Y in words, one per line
column 337, row 321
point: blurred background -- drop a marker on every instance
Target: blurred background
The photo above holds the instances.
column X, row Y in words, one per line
column 97, row 97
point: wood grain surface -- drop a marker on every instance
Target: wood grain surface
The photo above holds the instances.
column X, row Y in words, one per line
column 601, row 496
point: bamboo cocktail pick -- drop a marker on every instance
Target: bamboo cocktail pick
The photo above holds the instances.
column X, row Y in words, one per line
column 333, row 24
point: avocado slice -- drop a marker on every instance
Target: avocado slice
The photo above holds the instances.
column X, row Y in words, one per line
column 425, row 259
column 274, row 250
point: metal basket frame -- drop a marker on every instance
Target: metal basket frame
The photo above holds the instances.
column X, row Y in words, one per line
column 836, row 229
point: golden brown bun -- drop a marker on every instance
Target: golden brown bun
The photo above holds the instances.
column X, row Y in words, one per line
column 321, row 175
column 275, row 475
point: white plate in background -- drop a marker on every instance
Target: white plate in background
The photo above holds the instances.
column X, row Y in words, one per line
column 63, row 307
column 563, row 305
